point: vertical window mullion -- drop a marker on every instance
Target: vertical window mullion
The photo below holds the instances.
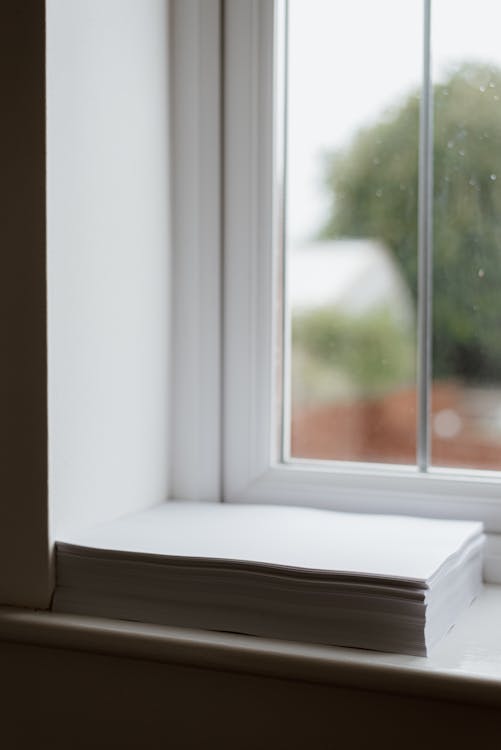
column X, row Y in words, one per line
column 425, row 248
column 282, row 82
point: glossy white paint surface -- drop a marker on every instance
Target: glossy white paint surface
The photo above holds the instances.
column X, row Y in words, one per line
column 196, row 241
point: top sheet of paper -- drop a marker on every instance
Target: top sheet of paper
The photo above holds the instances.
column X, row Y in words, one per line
column 390, row 547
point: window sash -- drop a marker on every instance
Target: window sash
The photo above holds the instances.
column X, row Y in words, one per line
column 425, row 253
column 252, row 466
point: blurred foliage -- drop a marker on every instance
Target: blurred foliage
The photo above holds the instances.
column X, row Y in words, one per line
column 374, row 187
column 363, row 355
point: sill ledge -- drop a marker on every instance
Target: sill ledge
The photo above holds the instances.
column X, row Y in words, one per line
column 465, row 667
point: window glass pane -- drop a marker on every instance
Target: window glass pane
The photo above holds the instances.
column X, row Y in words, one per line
column 354, row 71
column 466, row 393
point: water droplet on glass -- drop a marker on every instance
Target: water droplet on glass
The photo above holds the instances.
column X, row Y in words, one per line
column 379, row 193
column 496, row 98
column 493, row 177
column 450, row 144
column 482, row 89
column 447, row 423
column 376, row 160
column 461, row 152
column 472, row 182
column 492, row 84
column 481, row 273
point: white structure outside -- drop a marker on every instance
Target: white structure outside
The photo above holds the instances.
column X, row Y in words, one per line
column 356, row 275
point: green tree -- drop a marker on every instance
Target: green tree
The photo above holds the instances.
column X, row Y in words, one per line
column 372, row 353
column 373, row 185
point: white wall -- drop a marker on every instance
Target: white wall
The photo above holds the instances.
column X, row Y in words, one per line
column 108, row 260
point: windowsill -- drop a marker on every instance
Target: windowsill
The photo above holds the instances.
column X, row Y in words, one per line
column 465, row 666
column 284, row 573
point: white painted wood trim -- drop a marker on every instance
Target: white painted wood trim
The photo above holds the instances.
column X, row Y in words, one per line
column 196, row 273
column 368, row 489
column 26, row 566
column 463, row 667
column 249, row 231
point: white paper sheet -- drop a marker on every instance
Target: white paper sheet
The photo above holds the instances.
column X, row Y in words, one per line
column 392, row 547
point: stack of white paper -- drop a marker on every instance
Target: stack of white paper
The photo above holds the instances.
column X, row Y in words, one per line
column 391, row 583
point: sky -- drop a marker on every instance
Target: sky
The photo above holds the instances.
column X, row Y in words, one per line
column 349, row 60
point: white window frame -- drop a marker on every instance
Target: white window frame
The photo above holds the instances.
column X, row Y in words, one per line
column 196, row 193
column 253, row 469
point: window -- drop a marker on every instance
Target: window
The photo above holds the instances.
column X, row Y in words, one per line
column 256, row 468
column 351, row 281
column 392, row 226
column 225, row 431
